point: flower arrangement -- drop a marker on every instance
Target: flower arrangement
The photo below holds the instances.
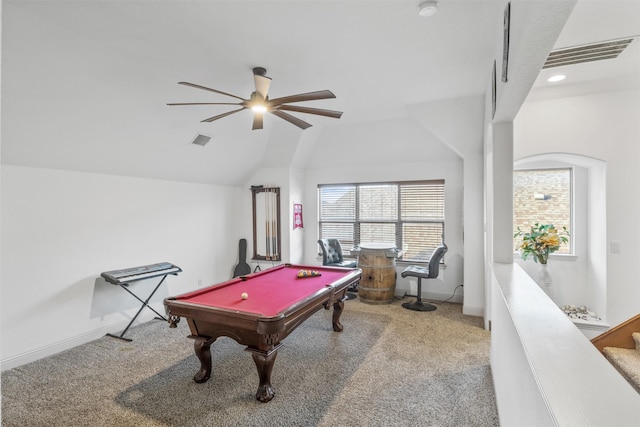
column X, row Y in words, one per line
column 541, row 241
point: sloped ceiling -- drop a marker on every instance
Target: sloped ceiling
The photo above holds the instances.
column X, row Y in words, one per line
column 85, row 83
column 594, row 22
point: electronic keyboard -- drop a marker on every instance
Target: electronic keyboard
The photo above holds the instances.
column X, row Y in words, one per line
column 123, row 277
column 127, row 275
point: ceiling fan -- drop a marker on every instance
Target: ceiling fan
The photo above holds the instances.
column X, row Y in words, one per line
column 260, row 103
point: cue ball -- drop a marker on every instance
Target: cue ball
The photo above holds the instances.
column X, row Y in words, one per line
column 244, row 295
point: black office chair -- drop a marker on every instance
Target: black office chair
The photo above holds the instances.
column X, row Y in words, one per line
column 332, row 257
column 332, row 254
column 430, row 272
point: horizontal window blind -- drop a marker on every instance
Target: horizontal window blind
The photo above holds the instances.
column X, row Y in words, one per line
column 409, row 215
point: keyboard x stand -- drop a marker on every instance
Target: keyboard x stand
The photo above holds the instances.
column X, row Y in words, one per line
column 126, row 276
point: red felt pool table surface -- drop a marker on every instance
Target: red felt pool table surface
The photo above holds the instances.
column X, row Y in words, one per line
column 278, row 302
column 270, row 292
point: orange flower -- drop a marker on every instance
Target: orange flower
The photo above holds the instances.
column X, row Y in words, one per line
column 541, row 241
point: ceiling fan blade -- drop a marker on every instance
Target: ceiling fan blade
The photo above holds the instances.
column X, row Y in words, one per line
column 291, row 119
column 257, row 121
column 219, row 116
column 308, row 110
column 204, row 103
column 209, row 89
column 262, row 85
column 311, row 96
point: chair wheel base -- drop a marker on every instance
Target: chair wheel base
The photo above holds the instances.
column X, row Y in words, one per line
column 351, row 296
column 418, row 306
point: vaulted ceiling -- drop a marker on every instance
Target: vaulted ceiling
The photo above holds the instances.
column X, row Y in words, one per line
column 85, row 83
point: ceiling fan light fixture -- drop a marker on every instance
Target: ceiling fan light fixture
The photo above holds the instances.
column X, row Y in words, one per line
column 428, row 8
column 259, row 108
column 257, row 103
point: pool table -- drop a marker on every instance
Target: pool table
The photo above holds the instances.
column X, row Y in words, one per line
column 277, row 302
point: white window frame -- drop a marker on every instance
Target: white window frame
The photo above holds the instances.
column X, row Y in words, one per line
column 352, row 238
column 578, row 201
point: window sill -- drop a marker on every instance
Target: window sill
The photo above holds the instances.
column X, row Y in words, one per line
column 420, row 263
column 400, row 262
column 558, row 257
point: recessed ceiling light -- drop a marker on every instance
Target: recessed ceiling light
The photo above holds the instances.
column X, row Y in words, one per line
column 556, row 78
column 428, row 8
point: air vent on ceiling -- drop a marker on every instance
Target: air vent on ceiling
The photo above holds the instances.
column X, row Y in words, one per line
column 586, row 53
column 201, row 140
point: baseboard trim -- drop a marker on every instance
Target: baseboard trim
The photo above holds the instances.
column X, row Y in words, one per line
column 66, row 344
column 592, row 331
column 473, row 311
column 434, row 297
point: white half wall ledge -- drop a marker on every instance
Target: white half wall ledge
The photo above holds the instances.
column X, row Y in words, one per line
column 545, row 370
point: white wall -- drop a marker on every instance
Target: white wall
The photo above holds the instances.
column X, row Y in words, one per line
column 539, row 359
column 269, row 177
column 283, row 166
column 61, row 229
column 393, row 150
column 451, row 171
column 534, row 28
column 399, row 150
column 604, row 126
column 458, row 124
column 297, row 236
column 580, row 278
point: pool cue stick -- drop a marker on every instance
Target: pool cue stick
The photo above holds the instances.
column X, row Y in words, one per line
column 266, row 222
column 275, row 224
column 271, row 219
column 270, row 194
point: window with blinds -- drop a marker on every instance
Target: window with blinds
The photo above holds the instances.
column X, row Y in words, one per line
column 407, row 214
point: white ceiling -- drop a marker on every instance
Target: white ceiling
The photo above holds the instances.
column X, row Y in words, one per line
column 590, row 22
column 85, row 83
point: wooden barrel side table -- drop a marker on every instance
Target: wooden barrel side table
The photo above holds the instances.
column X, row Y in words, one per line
column 378, row 264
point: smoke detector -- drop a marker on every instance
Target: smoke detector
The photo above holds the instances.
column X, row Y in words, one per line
column 428, row 8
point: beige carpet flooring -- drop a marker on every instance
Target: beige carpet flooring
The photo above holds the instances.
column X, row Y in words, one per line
column 389, row 367
column 626, row 361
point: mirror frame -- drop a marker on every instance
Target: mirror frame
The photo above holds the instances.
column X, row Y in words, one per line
column 255, row 190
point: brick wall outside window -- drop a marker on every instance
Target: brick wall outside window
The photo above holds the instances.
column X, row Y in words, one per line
column 554, row 208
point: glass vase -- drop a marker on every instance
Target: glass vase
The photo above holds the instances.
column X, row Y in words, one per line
column 544, row 279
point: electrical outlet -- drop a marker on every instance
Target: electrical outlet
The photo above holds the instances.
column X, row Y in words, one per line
column 199, row 283
column 615, row 247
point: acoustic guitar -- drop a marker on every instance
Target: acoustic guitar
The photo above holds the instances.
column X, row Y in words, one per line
column 242, row 268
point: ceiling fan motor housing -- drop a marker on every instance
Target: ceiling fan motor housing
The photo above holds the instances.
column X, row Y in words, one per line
column 259, row 71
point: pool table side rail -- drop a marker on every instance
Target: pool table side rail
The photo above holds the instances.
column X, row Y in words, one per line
column 335, row 289
column 328, row 295
column 206, row 289
column 306, row 307
column 213, row 322
column 235, row 280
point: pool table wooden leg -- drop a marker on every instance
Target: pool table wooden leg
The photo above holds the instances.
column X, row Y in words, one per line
column 264, row 361
column 202, row 347
column 337, row 312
